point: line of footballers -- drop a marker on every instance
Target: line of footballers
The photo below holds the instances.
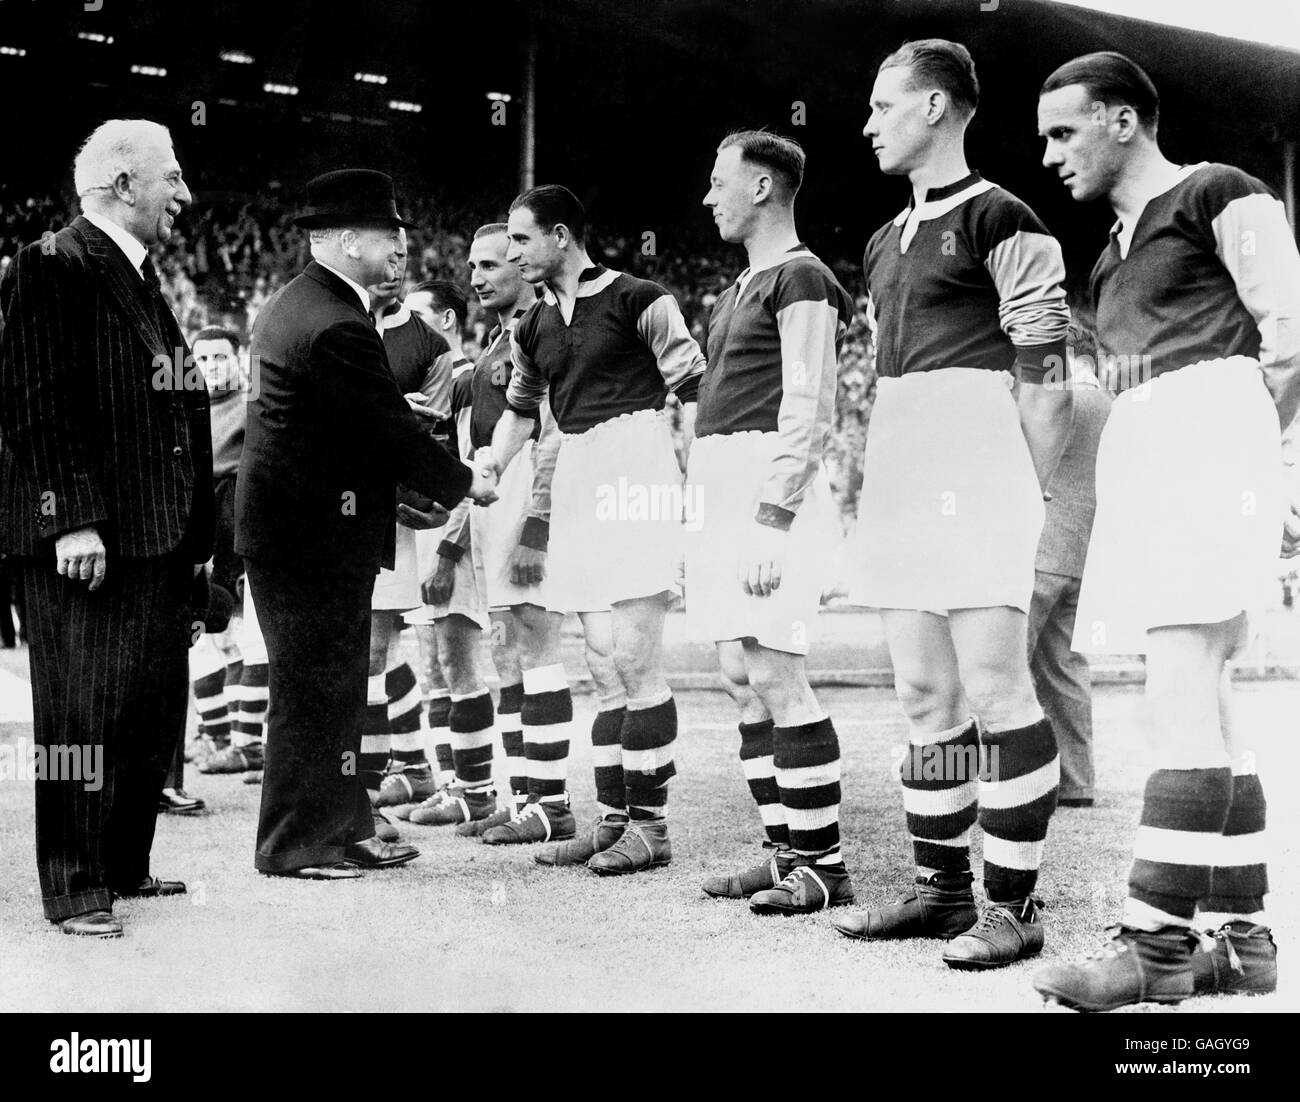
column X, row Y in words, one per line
column 566, row 404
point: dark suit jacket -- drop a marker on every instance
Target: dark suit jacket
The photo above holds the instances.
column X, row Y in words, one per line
column 93, row 432
column 329, row 436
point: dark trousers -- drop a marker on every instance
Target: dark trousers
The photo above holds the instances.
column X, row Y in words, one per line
column 9, row 598
column 1062, row 678
column 105, row 666
column 317, row 633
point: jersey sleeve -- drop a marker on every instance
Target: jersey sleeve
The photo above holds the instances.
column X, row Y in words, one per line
column 810, row 309
column 1028, row 270
column 537, row 521
column 528, row 383
column 1254, row 243
column 455, row 536
column 663, row 329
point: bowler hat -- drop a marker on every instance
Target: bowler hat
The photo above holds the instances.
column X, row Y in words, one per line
column 350, row 196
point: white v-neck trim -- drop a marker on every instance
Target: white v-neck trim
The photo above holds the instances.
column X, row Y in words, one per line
column 1125, row 241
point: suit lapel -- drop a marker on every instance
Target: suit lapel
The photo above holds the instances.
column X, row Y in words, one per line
column 125, row 287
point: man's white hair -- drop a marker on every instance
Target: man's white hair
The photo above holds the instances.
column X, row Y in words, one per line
column 114, row 147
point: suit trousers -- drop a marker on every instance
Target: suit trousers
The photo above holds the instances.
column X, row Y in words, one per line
column 105, row 667
column 317, row 632
column 1062, row 678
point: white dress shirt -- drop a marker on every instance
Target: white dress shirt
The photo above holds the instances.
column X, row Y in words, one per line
column 123, row 239
column 365, row 295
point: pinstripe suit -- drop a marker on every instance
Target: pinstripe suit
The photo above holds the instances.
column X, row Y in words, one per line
column 94, row 436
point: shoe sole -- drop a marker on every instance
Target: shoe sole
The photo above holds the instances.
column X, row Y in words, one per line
column 897, row 937
column 773, row 909
column 527, row 841
column 390, row 864
column 989, row 965
column 627, row 872
column 1100, row 1008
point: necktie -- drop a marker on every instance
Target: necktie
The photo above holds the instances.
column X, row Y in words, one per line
column 167, row 325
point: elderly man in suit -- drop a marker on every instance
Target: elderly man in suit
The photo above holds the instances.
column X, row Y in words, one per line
column 106, row 502
column 329, row 439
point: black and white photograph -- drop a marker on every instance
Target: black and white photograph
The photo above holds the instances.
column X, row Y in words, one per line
column 652, row 506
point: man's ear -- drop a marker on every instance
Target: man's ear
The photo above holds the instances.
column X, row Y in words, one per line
column 122, row 188
column 763, row 188
column 936, row 104
column 1125, row 123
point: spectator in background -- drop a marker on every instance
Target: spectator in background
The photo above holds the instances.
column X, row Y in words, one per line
column 228, row 665
column 1062, row 677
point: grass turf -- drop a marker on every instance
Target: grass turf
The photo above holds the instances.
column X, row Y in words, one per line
column 474, row 927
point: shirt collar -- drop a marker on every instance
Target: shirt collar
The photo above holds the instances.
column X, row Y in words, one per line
column 362, row 293
column 498, row 329
column 750, row 273
column 934, row 194
column 135, row 252
column 395, row 315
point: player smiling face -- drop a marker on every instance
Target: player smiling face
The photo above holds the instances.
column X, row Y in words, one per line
column 897, row 128
column 537, row 252
column 1081, row 141
column 492, row 277
column 732, row 193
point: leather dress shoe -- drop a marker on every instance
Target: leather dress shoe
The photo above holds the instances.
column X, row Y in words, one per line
column 92, row 924
column 374, row 854
column 319, row 872
column 176, row 801
column 151, row 888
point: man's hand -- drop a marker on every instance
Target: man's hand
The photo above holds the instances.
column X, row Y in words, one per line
column 527, row 566
column 436, row 588
column 420, row 404
column 483, row 488
column 1291, row 533
column 410, row 517
column 80, row 555
column 762, row 562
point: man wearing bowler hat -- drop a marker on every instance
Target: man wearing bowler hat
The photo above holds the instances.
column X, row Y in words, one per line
column 329, row 438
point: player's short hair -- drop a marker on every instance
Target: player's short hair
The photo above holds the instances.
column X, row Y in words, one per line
column 553, row 205
column 783, row 157
column 938, row 63
column 218, row 333
column 445, row 295
column 1113, row 79
column 114, row 147
column 491, row 228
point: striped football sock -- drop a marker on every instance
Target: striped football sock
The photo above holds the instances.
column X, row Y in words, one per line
column 251, row 696
column 1178, row 839
column 941, row 796
column 607, row 755
column 208, row 676
column 806, row 759
column 547, row 717
column 1017, row 795
column 471, row 739
column 1239, row 879
column 512, row 740
column 647, row 736
column 403, row 693
column 376, row 741
column 756, row 741
column 440, row 734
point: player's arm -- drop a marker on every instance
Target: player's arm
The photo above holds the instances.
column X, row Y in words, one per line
column 1255, row 244
column 524, row 395
column 528, row 560
column 1029, row 273
column 809, row 325
column 663, row 329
